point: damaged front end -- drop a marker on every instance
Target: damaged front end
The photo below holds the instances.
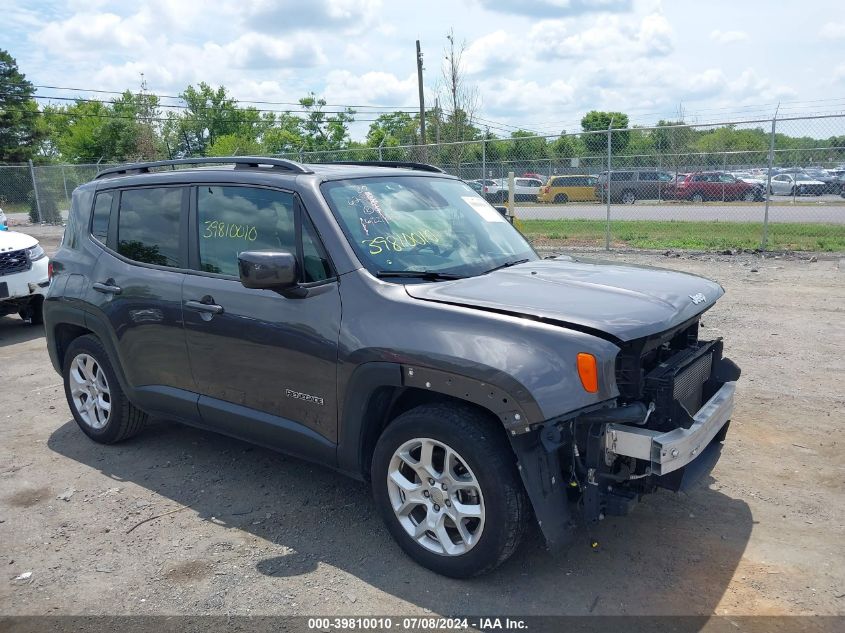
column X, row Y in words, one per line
column 665, row 430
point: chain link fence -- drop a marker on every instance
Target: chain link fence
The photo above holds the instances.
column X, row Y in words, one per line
column 764, row 183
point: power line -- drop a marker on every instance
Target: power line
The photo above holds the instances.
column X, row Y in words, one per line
column 186, row 107
column 163, row 96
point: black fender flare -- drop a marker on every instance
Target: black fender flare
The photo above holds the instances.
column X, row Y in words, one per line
column 513, row 406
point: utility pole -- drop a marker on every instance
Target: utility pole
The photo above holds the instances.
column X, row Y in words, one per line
column 422, row 94
column 437, row 120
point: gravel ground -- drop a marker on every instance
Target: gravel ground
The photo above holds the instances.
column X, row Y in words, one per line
column 180, row 521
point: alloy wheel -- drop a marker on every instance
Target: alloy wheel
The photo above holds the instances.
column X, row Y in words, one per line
column 436, row 497
column 89, row 389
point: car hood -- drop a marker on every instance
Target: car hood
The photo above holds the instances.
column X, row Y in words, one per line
column 14, row 241
column 623, row 301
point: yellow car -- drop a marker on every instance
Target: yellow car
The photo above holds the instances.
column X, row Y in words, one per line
column 569, row 188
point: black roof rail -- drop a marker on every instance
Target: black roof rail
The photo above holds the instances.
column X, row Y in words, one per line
column 387, row 163
column 240, row 162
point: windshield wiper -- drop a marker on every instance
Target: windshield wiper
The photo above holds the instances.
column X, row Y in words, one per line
column 432, row 275
column 506, row 265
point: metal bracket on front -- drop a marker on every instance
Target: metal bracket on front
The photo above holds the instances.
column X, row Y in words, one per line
column 671, row 450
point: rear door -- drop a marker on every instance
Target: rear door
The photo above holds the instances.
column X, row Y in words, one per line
column 136, row 290
column 264, row 362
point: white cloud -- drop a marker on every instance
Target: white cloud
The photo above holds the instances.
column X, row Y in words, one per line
column 279, row 16
column 495, row 48
column 555, row 8
column 833, row 31
column 608, row 37
column 84, row 32
column 726, row 37
column 370, row 88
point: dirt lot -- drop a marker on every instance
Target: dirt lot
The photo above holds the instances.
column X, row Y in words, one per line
column 242, row 530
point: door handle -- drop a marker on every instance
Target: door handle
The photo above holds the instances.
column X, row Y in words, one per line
column 107, row 288
column 200, row 306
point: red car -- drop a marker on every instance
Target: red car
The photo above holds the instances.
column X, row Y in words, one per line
column 713, row 185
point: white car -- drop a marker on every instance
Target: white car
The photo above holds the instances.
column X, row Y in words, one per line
column 750, row 178
column 24, row 276
column 796, row 184
column 523, row 189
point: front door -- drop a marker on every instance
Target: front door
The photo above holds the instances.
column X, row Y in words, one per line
column 264, row 362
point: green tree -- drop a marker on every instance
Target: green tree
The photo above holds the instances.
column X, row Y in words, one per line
column 394, row 128
column 322, row 132
column 595, row 121
column 209, row 114
column 19, row 130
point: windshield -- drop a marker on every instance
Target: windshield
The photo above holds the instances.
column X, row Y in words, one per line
column 419, row 223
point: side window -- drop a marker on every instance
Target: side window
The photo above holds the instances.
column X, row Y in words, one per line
column 148, row 225
column 648, row 176
column 100, row 216
column 236, row 219
column 559, row 182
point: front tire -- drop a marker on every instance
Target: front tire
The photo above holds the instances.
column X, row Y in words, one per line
column 94, row 395
column 697, row 198
column 445, row 481
column 561, row 198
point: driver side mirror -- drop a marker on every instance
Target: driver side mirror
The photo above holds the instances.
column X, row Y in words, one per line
column 268, row 270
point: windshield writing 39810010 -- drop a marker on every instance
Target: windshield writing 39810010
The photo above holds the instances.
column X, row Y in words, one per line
column 401, row 241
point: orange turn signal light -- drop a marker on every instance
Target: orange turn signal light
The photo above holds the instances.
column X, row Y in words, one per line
column 588, row 372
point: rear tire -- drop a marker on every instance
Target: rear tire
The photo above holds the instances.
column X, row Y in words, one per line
column 697, row 197
column 94, row 395
column 483, row 467
column 629, row 197
column 749, row 196
column 561, row 198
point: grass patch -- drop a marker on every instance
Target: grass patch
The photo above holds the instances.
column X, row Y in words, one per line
column 15, row 207
column 659, row 234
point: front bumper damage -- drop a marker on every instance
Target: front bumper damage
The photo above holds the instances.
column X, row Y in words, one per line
column 600, row 462
column 670, row 450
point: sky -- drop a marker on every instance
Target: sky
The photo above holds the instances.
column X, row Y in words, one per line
column 537, row 65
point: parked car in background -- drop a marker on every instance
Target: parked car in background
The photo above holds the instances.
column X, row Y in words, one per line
column 569, row 188
column 4, row 223
column 535, row 175
column 24, row 276
column 714, row 185
column 475, row 185
column 750, row 178
column 832, row 182
column 523, row 189
column 797, row 184
column 628, row 186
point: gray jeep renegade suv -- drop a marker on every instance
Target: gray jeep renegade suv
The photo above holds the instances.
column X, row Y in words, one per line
column 386, row 321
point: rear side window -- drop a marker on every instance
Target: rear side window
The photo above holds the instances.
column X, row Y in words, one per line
column 100, row 217
column 148, row 225
column 622, row 175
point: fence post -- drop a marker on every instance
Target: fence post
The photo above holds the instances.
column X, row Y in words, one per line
column 483, row 159
column 64, row 180
column 511, row 196
column 767, row 193
column 607, row 223
column 35, row 191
